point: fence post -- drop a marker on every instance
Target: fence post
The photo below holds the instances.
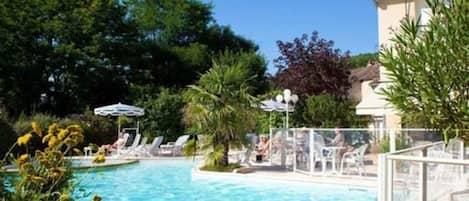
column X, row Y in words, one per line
column 270, row 145
column 462, row 153
column 283, row 152
column 382, row 177
column 392, row 140
column 423, row 177
column 311, row 152
column 294, row 150
column 389, row 179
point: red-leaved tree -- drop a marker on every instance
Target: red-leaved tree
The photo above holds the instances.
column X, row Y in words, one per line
column 310, row 66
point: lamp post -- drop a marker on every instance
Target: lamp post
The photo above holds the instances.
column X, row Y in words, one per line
column 286, row 98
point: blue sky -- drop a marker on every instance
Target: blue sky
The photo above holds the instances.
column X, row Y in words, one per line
column 351, row 24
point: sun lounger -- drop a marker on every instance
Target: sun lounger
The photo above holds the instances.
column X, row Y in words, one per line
column 151, row 149
column 174, row 148
column 132, row 147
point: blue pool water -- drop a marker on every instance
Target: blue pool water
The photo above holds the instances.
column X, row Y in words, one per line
column 171, row 181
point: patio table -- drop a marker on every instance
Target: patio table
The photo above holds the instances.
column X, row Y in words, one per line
column 334, row 154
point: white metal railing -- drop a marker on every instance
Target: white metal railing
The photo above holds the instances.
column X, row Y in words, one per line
column 433, row 171
column 296, row 149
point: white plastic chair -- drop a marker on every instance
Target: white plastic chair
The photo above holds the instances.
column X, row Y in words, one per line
column 132, row 147
column 322, row 154
column 355, row 157
column 139, row 149
column 175, row 148
column 151, row 149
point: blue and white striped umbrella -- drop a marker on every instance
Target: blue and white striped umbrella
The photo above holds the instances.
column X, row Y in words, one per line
column 274, row 106
column 119, row 110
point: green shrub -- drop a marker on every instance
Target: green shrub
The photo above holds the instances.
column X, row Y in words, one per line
column 163, row 115
column 401, row 143
column 428, row 67
column 96, row 129
column 23, row 124
column 361, row 60
column 276, row 121
column 328, row 112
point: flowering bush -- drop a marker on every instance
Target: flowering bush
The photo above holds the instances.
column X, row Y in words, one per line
column 46, row 174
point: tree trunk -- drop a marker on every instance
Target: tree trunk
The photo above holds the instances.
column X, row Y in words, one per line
column 226, row 149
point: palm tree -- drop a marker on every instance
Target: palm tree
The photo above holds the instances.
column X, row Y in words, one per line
column 220, row 107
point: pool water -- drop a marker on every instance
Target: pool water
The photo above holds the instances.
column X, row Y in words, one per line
column 171, row 181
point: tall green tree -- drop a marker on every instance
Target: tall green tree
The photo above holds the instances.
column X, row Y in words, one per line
column 255, row 64
column 361, row 60
column 56, row 53
column 61, row 57
column 174, row 22
column 428, row 67
column 220, row 106
column 327, row 111
column 163, row 114
column 179, row 39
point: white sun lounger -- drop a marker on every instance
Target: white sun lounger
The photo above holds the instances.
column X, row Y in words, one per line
column 132, row 147
column 150, row 149
column 174, row 148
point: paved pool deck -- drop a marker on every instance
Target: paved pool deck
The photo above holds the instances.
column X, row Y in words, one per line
column 282, row 175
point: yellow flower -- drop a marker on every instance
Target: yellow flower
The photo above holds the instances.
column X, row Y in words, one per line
column 70, row 142
column 22, row 159
column 99, row 159
column 28, row 168
column 56, row 155
column 36, row 128
column 53, row 141
column 75, row 128
column 24, row 140
column 52, row 129
column 44, row 162
column 64, row 197
column 77, row 151
column 77, row 136
column 56, row 173
column 101, row 151
column 97, row 198
column 38, row 180
column 46, row 138
column 62, row 134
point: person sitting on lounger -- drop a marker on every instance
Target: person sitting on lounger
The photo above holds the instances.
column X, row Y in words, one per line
column 262, row 148
column 117, row 144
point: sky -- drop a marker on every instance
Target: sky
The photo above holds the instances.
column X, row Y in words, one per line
column 351, row 24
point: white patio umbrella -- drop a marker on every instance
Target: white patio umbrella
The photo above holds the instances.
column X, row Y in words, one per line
column 274, row 106
column 119, row 109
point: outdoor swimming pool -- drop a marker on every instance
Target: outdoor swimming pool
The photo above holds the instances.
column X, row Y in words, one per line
column 171, row 181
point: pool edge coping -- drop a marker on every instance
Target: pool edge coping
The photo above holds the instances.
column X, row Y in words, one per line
column 345, row 182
